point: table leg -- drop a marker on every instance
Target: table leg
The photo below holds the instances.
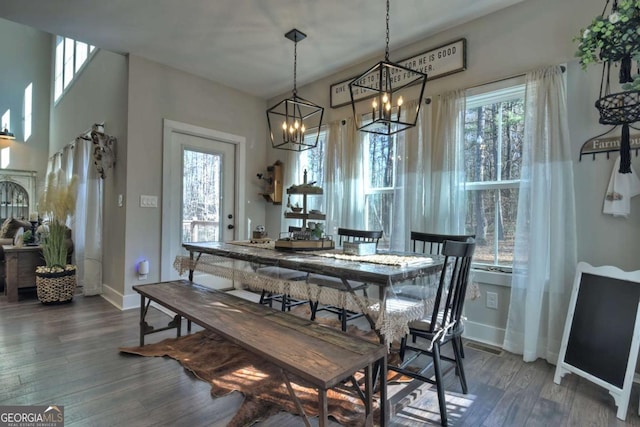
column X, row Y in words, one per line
column 384, row 401
column 10, row 276
column 191, row 266
column 143, row 312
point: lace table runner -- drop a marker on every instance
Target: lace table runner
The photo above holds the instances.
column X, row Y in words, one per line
column 386, row 259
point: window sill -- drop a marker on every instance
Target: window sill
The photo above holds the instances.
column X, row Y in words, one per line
column 497, row 278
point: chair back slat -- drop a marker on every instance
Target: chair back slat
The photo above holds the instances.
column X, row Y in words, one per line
column 452, row 287
column 432, row 243
column 350, row 235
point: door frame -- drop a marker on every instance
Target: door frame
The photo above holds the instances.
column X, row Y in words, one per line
column 170, row 127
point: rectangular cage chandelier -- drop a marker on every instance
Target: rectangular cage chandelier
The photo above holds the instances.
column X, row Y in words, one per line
column 389, row 85
column 294, row 123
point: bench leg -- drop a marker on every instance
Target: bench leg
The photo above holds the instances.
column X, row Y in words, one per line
column 146, row 329
column 323, row 416
column 368, row 392
column 297, row 401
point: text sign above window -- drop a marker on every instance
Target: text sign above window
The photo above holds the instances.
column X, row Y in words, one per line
column 439, row 62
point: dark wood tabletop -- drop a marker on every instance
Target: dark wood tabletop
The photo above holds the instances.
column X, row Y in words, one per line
column 310, row 262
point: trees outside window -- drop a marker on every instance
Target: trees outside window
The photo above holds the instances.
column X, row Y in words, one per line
column 494, row 131
column 313, row 161
column 380, row 180
column 201, row 196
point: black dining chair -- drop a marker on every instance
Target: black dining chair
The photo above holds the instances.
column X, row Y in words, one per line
column 443, row 326
column 432, row 243
column 286, row 301
column 344, row 235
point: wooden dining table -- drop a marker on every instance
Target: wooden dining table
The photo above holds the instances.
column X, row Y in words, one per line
column 391, row 272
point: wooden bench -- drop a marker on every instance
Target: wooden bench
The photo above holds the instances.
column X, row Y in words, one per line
column 321, row 356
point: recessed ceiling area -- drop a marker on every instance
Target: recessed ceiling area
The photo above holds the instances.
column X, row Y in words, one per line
column 241, row 43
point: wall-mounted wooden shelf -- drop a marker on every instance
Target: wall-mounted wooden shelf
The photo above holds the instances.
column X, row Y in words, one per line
column 273, row 179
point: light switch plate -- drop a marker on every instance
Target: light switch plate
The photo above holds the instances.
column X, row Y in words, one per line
column 148, row 201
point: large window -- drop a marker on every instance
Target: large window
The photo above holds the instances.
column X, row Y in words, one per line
column 70, row 56
column 494, row 129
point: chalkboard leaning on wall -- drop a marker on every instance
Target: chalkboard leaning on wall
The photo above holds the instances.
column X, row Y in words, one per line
column 601, row 337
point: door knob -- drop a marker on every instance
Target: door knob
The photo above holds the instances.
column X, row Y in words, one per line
column 231, row 226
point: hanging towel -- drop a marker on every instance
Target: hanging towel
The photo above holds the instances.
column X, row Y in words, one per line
column 622, row 187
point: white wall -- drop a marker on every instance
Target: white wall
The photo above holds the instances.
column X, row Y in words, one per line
column 513, row 41
column 26, row 58
column 99, row 95
column 157, row 92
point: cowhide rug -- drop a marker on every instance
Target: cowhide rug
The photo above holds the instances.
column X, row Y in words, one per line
column 228, row 367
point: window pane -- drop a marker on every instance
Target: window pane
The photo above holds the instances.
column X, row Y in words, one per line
column 58, row 68
column 313, row 161
column 28, row 111
column 380, row 161
column 201, row 196
column 493, row 141
column 491, row 216
column 68, row 61
column 378, row 212
column 82, row 51
column 6, row 120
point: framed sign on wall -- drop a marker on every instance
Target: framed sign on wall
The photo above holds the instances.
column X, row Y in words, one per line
column 439, row 62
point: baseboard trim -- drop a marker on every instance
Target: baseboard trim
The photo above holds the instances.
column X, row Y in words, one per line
column 484, row 333
column 121, row 302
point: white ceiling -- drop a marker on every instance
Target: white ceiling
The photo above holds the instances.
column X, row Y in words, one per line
column 241, row 43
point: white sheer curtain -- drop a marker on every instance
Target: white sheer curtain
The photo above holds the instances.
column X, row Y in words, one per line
column 86, row 224
column 545, row 248
column 344, row 172
column 446, row 213
column 429, row 186
column 413, row 179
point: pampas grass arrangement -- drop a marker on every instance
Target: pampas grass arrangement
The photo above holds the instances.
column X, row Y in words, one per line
column 58, row 203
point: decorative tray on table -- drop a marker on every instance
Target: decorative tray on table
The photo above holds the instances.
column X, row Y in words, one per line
column 304, row 245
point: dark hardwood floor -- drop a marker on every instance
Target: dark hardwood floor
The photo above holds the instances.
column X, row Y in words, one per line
column 68, row 355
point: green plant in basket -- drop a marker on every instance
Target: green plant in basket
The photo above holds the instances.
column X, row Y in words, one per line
column 58, row 203
column 610, row 38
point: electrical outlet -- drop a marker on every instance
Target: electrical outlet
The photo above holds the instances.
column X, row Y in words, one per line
column 492, row 300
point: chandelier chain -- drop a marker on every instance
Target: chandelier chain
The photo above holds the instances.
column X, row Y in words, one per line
column 386, row 51
column 295, row 62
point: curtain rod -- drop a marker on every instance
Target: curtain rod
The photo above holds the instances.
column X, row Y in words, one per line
column 94, row 128
column 562, row 67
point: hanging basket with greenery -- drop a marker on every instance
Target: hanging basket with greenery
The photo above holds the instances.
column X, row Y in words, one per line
column 611, row 37
column 614, row 38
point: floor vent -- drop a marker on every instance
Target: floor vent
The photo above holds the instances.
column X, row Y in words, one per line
column 483, row 347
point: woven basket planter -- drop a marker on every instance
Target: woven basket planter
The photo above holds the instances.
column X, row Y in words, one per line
column 57, row 286
column 619, row 108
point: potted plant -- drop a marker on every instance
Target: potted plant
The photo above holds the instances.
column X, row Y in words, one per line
column 615, row 37
column 611, row 39
column 56, row 280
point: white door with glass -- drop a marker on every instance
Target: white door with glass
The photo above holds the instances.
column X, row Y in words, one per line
column 198, row 194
